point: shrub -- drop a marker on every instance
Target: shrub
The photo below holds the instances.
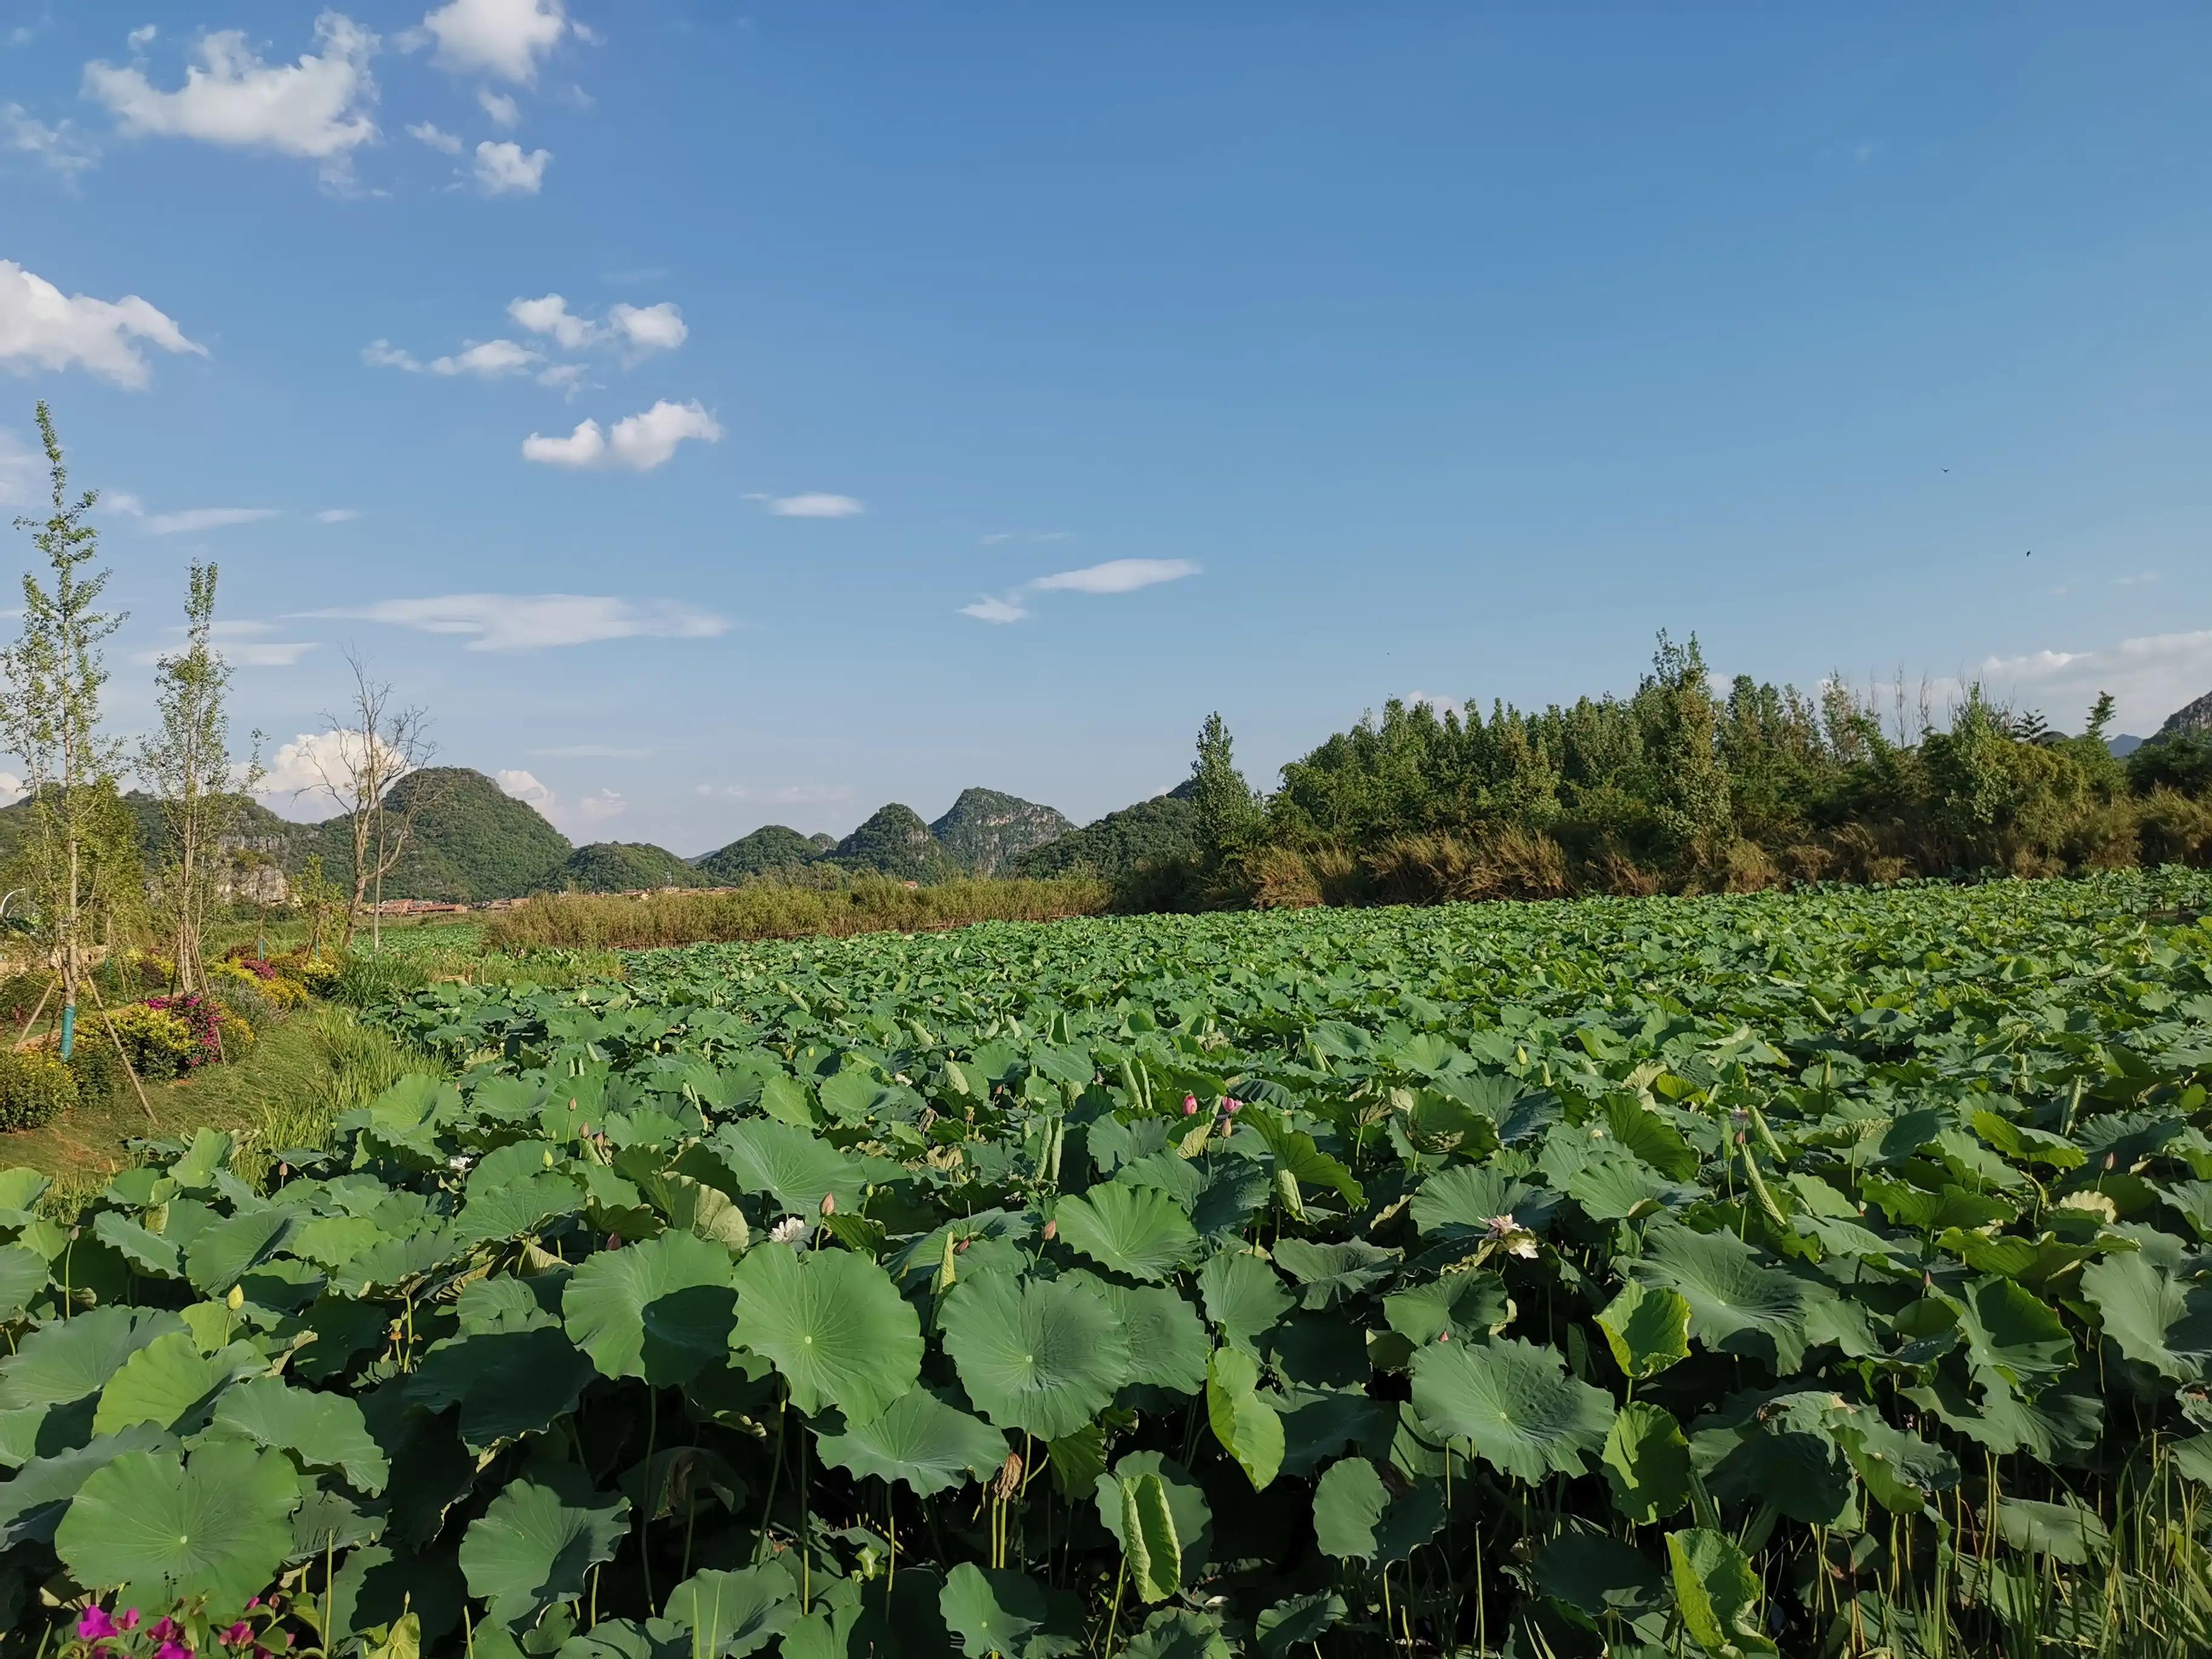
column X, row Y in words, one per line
column 35, row 1089
column 319, row 975
column 249, row 1003
column 2174, row 829
column 287, row 993
column 238, row 1038
column 1282, row 880
column 161, row 1044
column 95, row 1065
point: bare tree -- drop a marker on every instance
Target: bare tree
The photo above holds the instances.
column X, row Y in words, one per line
column 379, row 743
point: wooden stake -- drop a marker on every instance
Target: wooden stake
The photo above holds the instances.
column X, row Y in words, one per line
column 24, row 1035
column 144, row 1104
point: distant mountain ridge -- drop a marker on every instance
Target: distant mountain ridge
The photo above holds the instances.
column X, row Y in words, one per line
column 2190, row 720
column 986, row 831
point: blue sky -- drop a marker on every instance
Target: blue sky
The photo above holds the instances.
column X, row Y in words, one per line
column 982, row 394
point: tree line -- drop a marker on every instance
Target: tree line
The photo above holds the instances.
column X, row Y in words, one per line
column 1682, row 786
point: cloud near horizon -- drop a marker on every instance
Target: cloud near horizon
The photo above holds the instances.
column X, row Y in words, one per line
column 533, row 622
column 1114, row 576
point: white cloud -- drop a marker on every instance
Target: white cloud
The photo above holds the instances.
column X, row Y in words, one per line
column 568, row 377
column 1115, row 576
column 438, row 138
column 814, row 506
column 337, row 515
column 382, row 354
column 2035, row 666
column 42, row 328
column 293, row 771
column 649, row 328
column 530, row 622
column 550, row 315
column 525, row 786
column 317, row 108
column 997, row 536
column 206, row 518
column 502, row 109
column 11, row 789
column 19, row 466
column 638, row 443
column 488, row 360
column 592, row 751
column 2142, row 579
column 122, row 500
column 245, row 644
column 506, row 169
column 504, row 38
column 141, row 37
column 60, row 147
column 1008, row 609
column 597, row 808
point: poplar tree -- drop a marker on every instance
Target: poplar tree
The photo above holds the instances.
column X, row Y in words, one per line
column 188, row 766
column 50, row 713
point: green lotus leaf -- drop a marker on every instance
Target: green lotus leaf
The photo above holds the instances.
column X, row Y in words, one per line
column 2012, row 1332
column 1302, row 1619
column 1297, row 1154
column 377, row 1587
column 1137, row 1231
column 165, row 1529
column 1717, row 1594
column 832, row 1323
column 1178, row 1633
column 1647, row 1327
column 798, row 1169
column 996, row 1611
column 1788, row 1457
column 1598, row 1575
column 920, row 1442
column 1243, row 1296
column 1166, row 1343
column 226, row 1252
column 323, row 1431
column 1465, row 1307
column 1247, row 1426
column 2066, row 1532
column 1333, row 1274
column 1901, row 1470
column 1187, row 1505
column 2151, row 1315
column 2192, row 1458
column 517, row 1209
column 331, row 1241
column 67, row 1360
column 626, row 1638
column 1044, row 1355
column 507, row 1384
column 706, row 1210
column 1647, row 1463
column 147, row 1253
column 538, row 1543
column 33, row 1500
column 1513, row 1403
column 1356, row 1518
column 1147, row 1537
column 506, row 1304
column 1738, row 1304
column 1463, row 1200
column 733, row 1613
column 662, row 1310
column 170, row 1382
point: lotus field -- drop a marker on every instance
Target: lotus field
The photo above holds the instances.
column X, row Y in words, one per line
column 1820, row 1274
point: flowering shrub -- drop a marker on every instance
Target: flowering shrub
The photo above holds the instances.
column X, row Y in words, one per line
column 161, row 1044
column 203, row 1018
column 185, row 1632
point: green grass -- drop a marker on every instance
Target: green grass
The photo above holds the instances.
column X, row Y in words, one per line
column 287, row 1092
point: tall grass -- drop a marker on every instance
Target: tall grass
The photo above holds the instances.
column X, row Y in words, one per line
column 611, row 922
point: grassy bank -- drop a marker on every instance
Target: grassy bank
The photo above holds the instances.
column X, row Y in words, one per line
column 611, row 922
column 287, row 1092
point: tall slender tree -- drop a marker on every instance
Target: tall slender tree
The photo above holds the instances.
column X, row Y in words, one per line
column 188, row 766
column 50, row 712
column 1229, row 815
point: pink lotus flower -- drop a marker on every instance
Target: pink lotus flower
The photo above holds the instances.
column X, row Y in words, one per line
column 93, row 1625
column 1234, row 1105
column 1189, row 1104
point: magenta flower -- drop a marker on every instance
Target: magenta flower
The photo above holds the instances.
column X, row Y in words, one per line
column 237, row 1636
column 131, row 1619
column 93, row 1625
column 164, row 1628
column 172, row 1650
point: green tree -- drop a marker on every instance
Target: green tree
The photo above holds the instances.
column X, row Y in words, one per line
column 1229, row 815
column 318, row 900
column 376, row 743
column 50, row 715
column 187, row 765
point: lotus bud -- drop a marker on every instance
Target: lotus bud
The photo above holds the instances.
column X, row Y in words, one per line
column 1189, row 1104
column 614, row 1241
column 1236, row 1105
column 236, row 1299
column 1051, row 1232
column 829, row 1203
column 1010, row 1477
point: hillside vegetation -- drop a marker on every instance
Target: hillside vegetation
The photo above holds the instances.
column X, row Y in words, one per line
column 985, row 832
column 620, row 866
column 1161, row 831
column 768, row 849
